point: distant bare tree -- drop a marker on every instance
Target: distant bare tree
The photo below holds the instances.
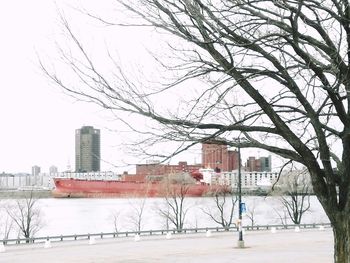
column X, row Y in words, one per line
column 175, row 209
column 26, row 215
column 250, row 213
column 195, row 217
column 295, row 193
column 223, row 213
column 114, row 216
column 6, row 224
column 136, row 214
column 164, row 213
column 282, row 216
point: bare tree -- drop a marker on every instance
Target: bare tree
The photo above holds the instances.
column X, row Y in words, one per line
column 26, row 215
column 287, row 60
column 224, row 208
column 295, row 194
column 175, row 208
column 164, row 212
column 136, row 214
column 6, row 224
column 282, row 216
column 114, row 216
column 251, row 211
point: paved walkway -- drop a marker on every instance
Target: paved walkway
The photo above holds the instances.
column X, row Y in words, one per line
column 261, row 246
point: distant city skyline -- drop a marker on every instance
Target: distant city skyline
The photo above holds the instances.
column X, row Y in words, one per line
column 217, row 157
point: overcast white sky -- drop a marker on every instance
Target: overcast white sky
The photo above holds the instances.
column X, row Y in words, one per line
column 38, row 121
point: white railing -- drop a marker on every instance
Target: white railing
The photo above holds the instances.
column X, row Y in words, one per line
column 157, row 232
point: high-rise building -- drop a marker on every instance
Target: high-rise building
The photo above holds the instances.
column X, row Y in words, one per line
column 33, row 180
column 53, row 169
column 87, row 149
column 36, row 170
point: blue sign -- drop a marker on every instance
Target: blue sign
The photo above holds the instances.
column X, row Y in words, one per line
column 243, row 208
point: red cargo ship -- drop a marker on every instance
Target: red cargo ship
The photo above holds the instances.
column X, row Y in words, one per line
column 77, row 187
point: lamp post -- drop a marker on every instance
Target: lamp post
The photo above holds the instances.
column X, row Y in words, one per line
column 240, row 243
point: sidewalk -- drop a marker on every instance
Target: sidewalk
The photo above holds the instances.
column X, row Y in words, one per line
column 286, row 246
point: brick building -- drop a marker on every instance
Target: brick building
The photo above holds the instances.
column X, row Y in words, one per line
column 219, row 157
column 164, row 169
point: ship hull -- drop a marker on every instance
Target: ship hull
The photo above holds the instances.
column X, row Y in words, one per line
column 81, row 188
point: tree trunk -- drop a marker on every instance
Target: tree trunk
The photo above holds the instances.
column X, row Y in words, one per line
column 341, row 231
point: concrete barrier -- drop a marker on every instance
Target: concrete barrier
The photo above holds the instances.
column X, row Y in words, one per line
column 208, row 233
column 137, row 238
column 47, row 244
column 92, row 241
column 2, row 248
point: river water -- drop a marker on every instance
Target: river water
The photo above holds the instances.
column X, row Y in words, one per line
column 81, row 216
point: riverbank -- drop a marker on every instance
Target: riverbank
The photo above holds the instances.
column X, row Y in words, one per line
column 15, row 194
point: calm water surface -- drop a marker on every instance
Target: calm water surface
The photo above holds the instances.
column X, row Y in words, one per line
column 81, row 216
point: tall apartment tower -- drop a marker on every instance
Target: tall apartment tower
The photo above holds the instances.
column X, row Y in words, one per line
column 36, row 170
column 87, row 149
